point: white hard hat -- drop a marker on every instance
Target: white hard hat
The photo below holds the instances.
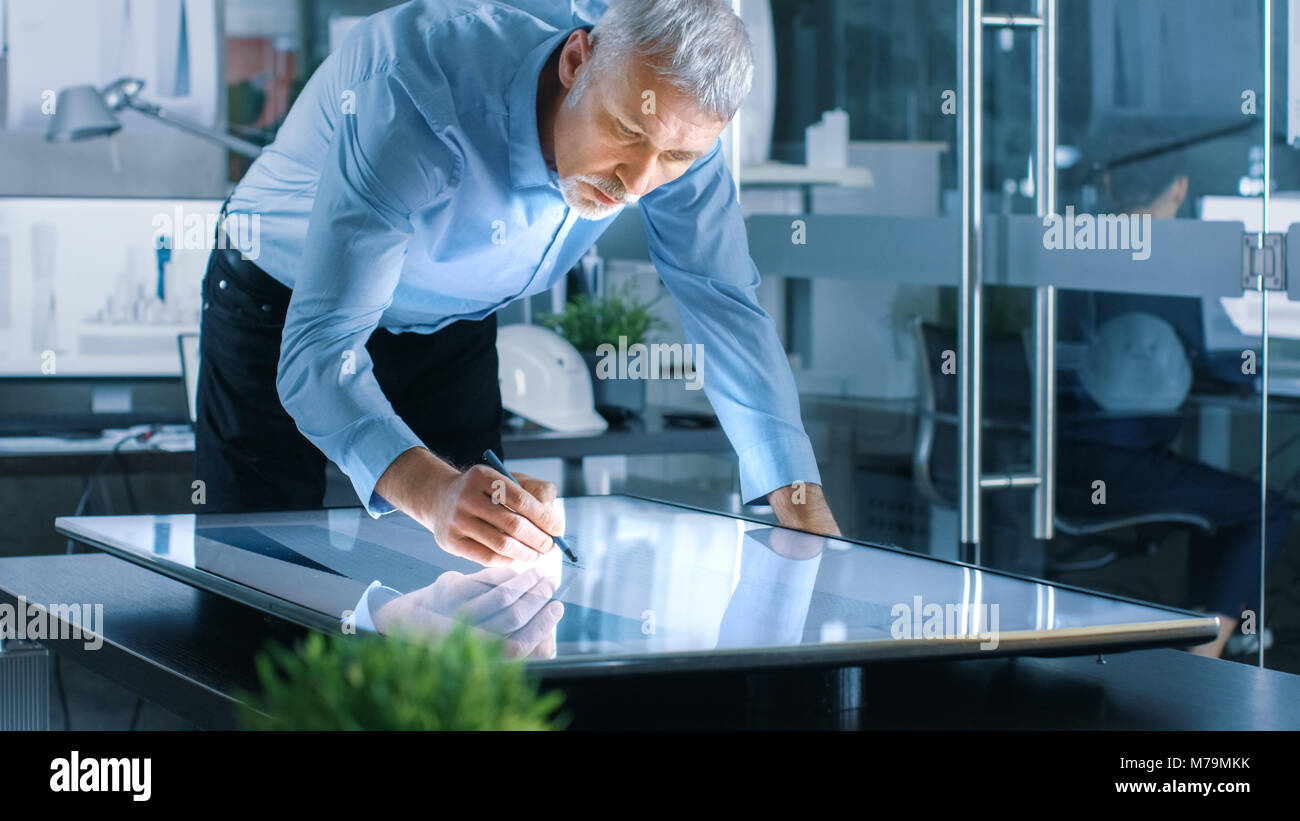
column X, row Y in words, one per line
column 545, row 380
column 1137, row 363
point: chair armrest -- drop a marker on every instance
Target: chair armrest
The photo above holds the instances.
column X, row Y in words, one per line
column 1089, row 526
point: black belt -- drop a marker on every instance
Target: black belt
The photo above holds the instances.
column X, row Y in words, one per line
column 247, row 276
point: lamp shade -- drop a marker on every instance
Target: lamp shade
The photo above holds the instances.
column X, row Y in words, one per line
column 80, row 113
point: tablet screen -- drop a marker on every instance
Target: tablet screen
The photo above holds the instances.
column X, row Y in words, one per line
column 655, row 583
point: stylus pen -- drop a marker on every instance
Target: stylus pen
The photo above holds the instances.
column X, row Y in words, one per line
column 496, row 464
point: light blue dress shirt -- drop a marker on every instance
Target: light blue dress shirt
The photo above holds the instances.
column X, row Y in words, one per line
column 407, row 190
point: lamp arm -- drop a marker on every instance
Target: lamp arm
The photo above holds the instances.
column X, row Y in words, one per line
column 157, row 112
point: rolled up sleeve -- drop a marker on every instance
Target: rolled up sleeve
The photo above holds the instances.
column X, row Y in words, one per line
column 698, row 244
column 384, row 163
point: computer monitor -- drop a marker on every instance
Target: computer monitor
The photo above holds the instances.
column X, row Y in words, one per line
column 100, row 287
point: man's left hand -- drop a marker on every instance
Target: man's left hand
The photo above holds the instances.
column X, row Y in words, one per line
column 803, row 507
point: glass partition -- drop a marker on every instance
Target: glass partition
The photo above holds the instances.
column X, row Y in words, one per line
column 1158, row 416
column 1273, row 642
column 851, row 211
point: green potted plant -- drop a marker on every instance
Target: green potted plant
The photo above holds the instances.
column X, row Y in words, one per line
column 460, row 681
column 617, row 321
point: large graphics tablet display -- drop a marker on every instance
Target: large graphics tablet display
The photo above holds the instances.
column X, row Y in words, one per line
column 656, row 586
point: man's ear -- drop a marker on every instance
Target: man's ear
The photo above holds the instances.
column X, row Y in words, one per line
column 1170, row 200
column 1178, row 191
column 575, row 56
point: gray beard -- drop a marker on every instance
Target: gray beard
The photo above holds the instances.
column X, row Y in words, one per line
column 586, row 208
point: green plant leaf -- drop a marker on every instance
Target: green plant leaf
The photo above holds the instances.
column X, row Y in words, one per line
column 459, row 681
column 587, row 324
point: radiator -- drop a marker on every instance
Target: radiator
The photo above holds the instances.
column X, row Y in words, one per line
column 24, row 686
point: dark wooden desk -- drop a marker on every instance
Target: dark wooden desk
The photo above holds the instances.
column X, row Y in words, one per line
column 189, row 651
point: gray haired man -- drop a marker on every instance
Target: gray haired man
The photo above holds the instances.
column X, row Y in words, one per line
column 450, row 157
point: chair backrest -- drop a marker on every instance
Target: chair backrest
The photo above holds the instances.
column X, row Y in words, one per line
column 1006, row 402
column 1007, row 393
column 1007, row 384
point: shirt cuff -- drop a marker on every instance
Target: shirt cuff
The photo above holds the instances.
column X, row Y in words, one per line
column 370, row 452
column 361, row 618
column 775, row 463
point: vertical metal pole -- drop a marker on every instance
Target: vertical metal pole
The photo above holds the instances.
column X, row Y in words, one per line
column 1044, row 422
column 970, row 74
column 1263, row 422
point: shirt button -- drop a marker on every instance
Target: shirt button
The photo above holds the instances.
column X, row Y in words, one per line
column 205, row 306
column 222, row 285
column 266, row 306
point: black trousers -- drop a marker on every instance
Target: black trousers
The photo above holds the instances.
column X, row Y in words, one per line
column 249, row 452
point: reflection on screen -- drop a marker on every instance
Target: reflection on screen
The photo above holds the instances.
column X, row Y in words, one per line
column 653, row 578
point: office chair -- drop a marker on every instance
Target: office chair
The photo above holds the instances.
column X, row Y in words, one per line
column 1007, row 395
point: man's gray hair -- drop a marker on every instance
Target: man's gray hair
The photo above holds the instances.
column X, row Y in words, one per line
column 697, row 46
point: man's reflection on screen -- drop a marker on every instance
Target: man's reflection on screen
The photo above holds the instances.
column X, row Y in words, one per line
column 778, row 569
column 517, row 603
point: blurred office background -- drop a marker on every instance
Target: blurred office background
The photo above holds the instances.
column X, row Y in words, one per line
column 852, row 135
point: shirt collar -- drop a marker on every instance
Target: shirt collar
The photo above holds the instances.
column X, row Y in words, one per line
column 527, row 165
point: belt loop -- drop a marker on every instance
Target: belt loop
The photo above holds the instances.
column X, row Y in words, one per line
column 221, row 222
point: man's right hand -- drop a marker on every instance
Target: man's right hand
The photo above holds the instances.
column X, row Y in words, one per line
column 478, row 514
column 498, row 601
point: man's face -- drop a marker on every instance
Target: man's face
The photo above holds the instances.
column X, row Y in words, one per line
column 628, row 134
